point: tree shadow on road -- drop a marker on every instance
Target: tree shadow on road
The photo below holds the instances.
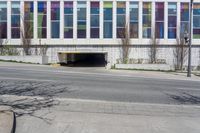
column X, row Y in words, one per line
column 185, row 98
column 27, row 97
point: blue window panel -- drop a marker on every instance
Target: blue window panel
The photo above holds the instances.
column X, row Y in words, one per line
column 68, row 33
column 147, row 21
column 95, row 21
column 108, row 14
column 120, row 33
column 196, row 11
column 3, row 14
column 134, row 29
column 42, row 7
column 94, row 10
column 15, row 33
column 121, row 10
column 159, row 30
column 107, row 29
column 185, row 16
column 55, row 30
column 184, row 27
column 68, row 10
column 121, row 21
column 146, row 32
column 81, row 33
column 172, row 9
column 82, row 14
column 15, row 7
column 172, row 21
column 3, row 30
column 68, row 20
column 94, row 32
column 15, row 21
column 196, row 22
column 134, row 14
column 171, row 33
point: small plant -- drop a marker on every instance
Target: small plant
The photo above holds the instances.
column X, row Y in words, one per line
column 180, row 53
column 153, row 47
column 26, row 34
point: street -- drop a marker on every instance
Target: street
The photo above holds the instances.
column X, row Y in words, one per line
column 95, row 100
column 97, row 84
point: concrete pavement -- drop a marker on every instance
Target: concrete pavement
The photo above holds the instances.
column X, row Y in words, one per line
column 90, row 116
column 7, row 120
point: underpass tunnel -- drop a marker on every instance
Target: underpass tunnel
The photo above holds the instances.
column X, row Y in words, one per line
column 83, row 59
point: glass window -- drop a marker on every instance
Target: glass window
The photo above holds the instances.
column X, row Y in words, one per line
column 121, row 19
column 68, row 18
column 107, row 29
column 133, row 20
column 196, row 20
column 159, row 25
column 3, row 19
column 55, row 19
column 184, row 18
column 42, row 19
column 28, row 19
column 81, row 19
column 15, row 19
column 94, row 18
column 172, row 20
column 146, row 15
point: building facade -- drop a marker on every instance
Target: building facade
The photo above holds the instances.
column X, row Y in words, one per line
column 95, row 26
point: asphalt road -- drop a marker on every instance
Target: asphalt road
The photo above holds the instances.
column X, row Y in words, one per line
column 95, row 84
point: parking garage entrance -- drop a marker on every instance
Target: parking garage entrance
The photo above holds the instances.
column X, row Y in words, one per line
column 83, row 59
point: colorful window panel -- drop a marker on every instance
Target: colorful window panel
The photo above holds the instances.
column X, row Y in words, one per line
column 3, row 20
column 81, row 20
column 121, row 19
column 28, row 19
column 133, row 19
column 55, row 19
column 172, row 20
column 15, row 19
column 94, row 18
column 146, row 15
column 42, row 19
column 184, row 18
column 196, row 20
column 159, row 25
column 108, row 17
column 68, row 18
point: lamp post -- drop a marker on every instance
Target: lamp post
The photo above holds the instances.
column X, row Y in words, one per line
column 190, row 40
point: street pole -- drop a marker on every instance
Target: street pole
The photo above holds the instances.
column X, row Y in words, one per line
column 190, row 40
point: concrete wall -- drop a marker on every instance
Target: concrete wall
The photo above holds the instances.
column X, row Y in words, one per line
column 28, row 59
column 114, row 53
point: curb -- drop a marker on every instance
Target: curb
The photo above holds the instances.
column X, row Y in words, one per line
column 13, row 118
column 14, row 123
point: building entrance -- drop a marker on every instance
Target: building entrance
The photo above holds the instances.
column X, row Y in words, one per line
column 83, row 59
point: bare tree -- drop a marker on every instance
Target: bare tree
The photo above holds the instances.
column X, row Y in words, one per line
column 26, row 35
column 124, row 35
column 180, row 53
column 1, row 46
column 154, row 46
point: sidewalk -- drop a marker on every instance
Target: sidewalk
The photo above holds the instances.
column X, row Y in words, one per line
column 7, row 119
column 86, row 116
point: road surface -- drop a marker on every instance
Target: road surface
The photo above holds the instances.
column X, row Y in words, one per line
column 97, row 84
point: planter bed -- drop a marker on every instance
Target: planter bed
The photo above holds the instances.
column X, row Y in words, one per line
column 164, row 67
